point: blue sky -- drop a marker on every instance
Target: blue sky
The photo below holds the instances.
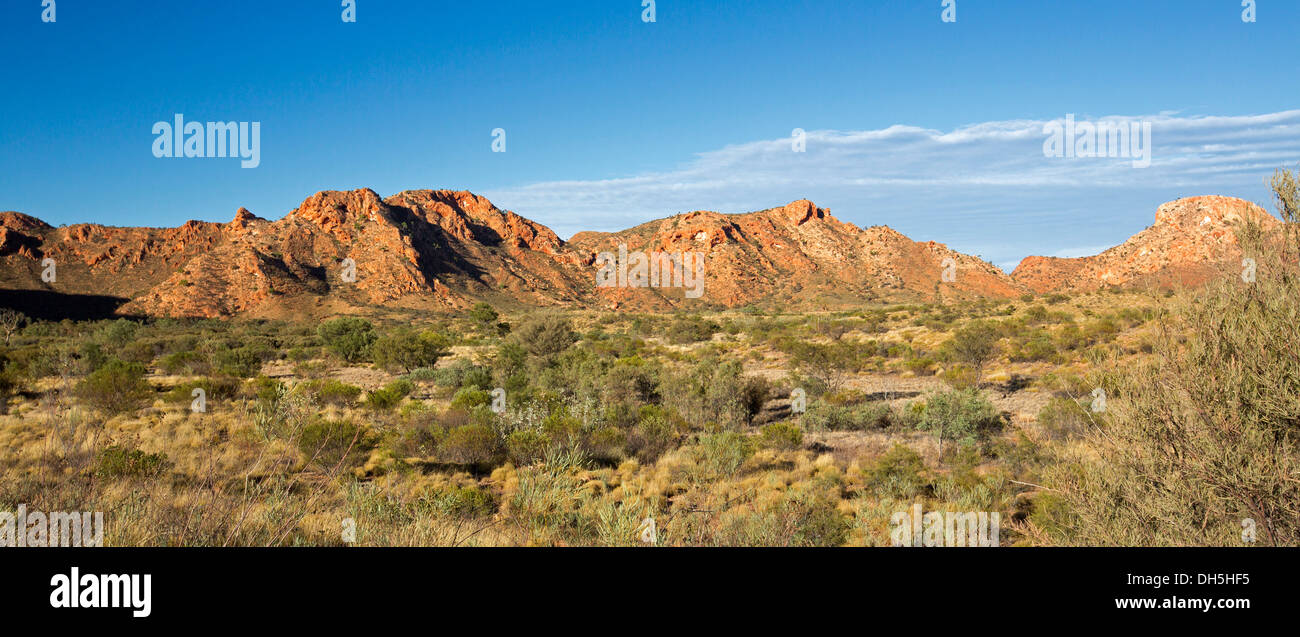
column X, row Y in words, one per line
column 932, row 128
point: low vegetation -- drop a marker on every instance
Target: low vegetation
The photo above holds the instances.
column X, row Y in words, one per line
column 1106, row 418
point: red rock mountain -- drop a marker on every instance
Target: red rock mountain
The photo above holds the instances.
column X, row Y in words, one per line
column 1192, row 240
column 430, row 250
column 797, row 254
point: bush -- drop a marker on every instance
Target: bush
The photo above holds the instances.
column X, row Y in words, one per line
column 1062, row 418
column 187, row 363
column 545, row 336
column 332, row 392
column 1036, row 346
column 1202, row 436
column 118, row 461
column 335, row 443
column 484, row 316
column 475, row 445
column 652, row 436
column 605, row 444
column 116, row 387
column 349, row 338
column 782, row 436
column 406, row 350
column 11, row 378
column 900, row 473
column 974, row 344
column 464, row 502
column 242, row 362
column 720, row 455
column 390, row 395
column 920, row 365
column 802, row 517
column 116, row 334
column 525, row 446
column 753, row 395
column 964, row 416
column 690, row 330
column 214, row 388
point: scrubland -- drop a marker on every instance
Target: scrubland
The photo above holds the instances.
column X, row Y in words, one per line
column 1120, row 417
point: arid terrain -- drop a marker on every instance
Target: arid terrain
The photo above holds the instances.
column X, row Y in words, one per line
column 427, row 369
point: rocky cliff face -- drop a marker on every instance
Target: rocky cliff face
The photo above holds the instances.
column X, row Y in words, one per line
column 355, row 252
column 1192, row 240
column 797, row 254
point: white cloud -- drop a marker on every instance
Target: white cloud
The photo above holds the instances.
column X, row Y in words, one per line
column 984, row 188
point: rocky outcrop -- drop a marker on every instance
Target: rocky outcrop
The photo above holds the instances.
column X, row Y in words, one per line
column 1192, row 240
column 354, row 251
column 800, row 255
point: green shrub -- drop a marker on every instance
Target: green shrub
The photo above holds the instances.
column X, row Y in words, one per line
column 118, row 461
column 349, row 338
column 652, row 436
column 963, row 416
column 782, row 436
column 545, row 335
column 475, row 445
column 265, row 388
column 720, row 455
column 332, row 392
column 187, row 363
column 1203, row 435
column 920, row 365
column 470, row 397
column 219, row 387
column 335, row 443
column 116, row 387
column 1063, row 418
column 526, row 446
column 479, row 377
column 900, row 473
column 606, row 444
column 691, row 330
column 116, row 334
column 464, row 502
column 242, row 362
column 1035, row 346
column 389, row 395
column 483, row 316
column 974, row 344
column 405, row 350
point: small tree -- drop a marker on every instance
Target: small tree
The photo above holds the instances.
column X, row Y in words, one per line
column 964, row 416
column 546, row 335
column 484, row 316
column 10, row 322
column 405, row 350
column 974, row 344
column 349, row 337
column 116, row 387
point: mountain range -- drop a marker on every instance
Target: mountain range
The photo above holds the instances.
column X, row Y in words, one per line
column 353, row 252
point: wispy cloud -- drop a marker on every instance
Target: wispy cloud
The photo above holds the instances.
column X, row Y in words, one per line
column 985, row 188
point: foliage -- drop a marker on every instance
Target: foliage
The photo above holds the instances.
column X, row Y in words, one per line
column 116, row 387
column 406, row 349
column 350, row 338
